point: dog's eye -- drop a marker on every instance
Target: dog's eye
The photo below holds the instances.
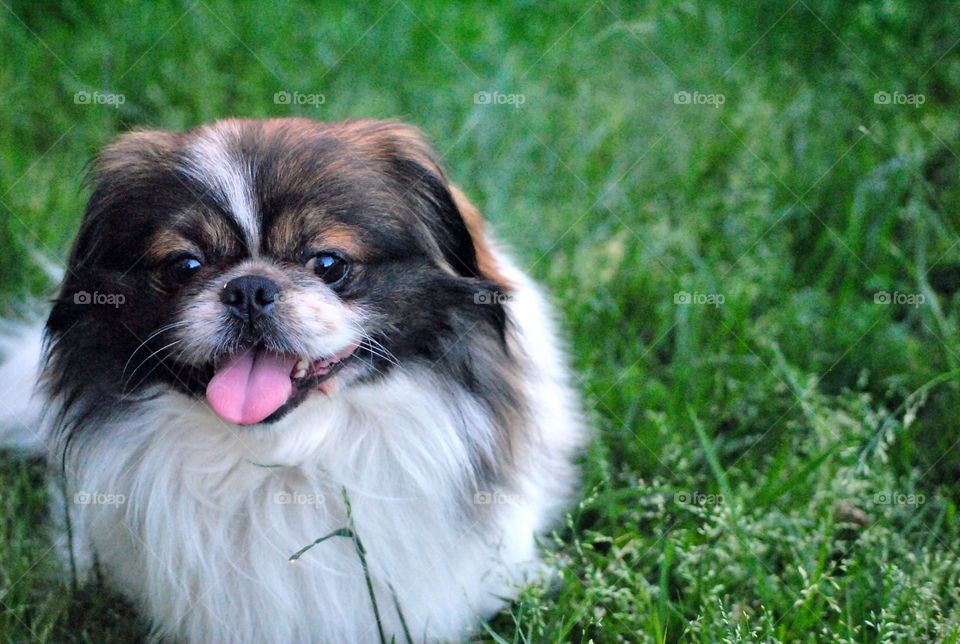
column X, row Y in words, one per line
column 329, row 266
column 181, row 268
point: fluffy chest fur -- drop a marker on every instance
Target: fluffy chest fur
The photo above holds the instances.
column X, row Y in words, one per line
column 198, row 522
column 205, row 516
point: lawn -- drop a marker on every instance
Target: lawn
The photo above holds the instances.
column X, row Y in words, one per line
column 747, row 217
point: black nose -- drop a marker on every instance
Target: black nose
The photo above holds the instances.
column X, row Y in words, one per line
column 249, row 296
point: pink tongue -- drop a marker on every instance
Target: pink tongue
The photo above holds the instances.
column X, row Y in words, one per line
column 251, row 386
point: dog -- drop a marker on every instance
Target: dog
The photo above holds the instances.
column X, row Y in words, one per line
column 296, row 389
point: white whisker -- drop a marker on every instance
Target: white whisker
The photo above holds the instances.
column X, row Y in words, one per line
column 162, row 329
column 144, row 361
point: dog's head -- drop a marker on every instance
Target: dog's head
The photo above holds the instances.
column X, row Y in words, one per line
column 256, row 263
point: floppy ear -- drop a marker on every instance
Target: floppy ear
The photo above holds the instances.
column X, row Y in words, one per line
column 486, row 261
column 125, row 192
column 439, row 214
column 456, row 225
column 123, row 176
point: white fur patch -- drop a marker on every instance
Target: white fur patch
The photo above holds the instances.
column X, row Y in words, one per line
column 209, row 161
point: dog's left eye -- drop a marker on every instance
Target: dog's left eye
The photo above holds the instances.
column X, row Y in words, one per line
column 329, row 266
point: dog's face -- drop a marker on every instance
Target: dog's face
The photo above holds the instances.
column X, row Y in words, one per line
column 256, row 263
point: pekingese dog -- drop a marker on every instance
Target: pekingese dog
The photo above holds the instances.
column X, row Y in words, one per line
column 297, row 391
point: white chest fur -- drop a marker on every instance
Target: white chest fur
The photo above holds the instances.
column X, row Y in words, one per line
column 196, row 519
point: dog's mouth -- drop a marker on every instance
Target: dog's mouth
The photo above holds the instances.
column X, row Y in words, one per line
column 256, row 385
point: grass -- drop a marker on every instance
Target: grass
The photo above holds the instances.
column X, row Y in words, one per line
column 781, row 466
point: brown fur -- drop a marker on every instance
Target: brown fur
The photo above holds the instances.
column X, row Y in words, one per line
column 481, row 241
column 378, row 139
column 387, row 138
column 137, row 152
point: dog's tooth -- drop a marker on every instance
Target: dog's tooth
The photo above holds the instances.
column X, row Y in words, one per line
column 299, row 373
column 302, row 365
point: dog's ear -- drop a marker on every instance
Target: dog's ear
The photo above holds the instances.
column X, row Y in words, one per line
column 454, row 223
column 135, row 153
column 123, row 178
column 487, row 263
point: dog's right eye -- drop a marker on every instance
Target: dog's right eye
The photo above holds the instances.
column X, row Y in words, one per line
column 181, row 268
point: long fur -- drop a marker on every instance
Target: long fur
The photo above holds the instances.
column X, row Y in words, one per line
column 452, row 464
column 21, row 355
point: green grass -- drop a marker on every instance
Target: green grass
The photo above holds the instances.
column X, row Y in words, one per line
column 739, row 485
